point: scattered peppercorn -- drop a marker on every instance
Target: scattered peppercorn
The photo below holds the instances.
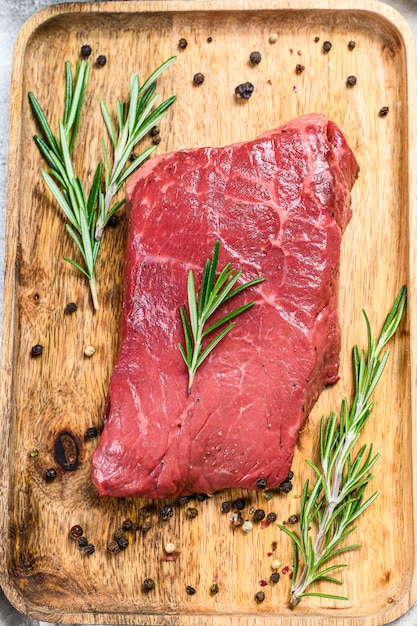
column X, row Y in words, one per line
column 76, row 532
column 89, row 351
column 214, row 589
column 50, row 474
column 190, row 590
column 259, row 515
column 118, row 533
column 276, row 564
column 101, row 60
column 267, row 494
column 271, row 517
column 299, row 69
column 183, row 43
column 134, row 527
column 123, row 542
column 247, row 526
column 113, row 547
column 192, row 512
column 351, row 45
column 261, row 483
column 239, row 504
column 260, row 596
column 255, row 57
column 89, row 548
column 225, row 507
column 167, row 512
column 200, row 497
column 236, row 519
column 290, row 475
column 316, row 39
column 384, row 111
column 113, row 221
column 293, row 519
column 154, row 131
column 198, row 78
column 91, row 432
column 146, row 526
column 209, row 39
column 36, row 350
column 184, row 499
column 244, row 90
column 82, row 542
column 351, row 81
column 327, row 46
column 156, row 139
column 273, row 38
column 275, row 576
column 169, row 548
column 286, row 486
column 85, row 51
column 71, row 307
column 148, row 584
column 127, row 524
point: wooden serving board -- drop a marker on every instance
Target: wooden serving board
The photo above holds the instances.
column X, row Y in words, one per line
column 47, row 403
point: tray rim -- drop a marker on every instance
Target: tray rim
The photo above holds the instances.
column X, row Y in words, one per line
column 400, row 25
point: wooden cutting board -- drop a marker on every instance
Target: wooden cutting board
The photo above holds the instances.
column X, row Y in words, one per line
column 47, row 403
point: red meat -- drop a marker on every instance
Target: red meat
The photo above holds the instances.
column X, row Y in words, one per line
column 278, row 205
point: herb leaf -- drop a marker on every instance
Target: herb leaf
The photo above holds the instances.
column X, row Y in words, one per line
column 211, row 296
column 336, row 500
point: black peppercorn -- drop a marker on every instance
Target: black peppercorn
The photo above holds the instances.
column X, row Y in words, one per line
column 225, row 507
column 184, row 499
column 82, row 542
column 50, row 474
column 101, row 60
column 123, row 542
column 260, row 596
column 113, row 547
column 76, row 532
column 244, row 90
column 113, row 221
column 239, row 504
column 154, row 131
column 148, row 584
column 384, row 111
column 351, row 45
column 293, row 519
column 271, row 517
column 144, row 512
column 192, row 512
column 275, row 576
column 286, row 486
column 71, row 307
column 89, row 548
column 200, row 497
column 198, row 78
column 214, row 588
column 259, row 515
column 118, row 533
column 36, row 350
column 190, row 590
column 255, row 57
column 290, row 475
column 327, row 46
column 316, row 39
column 167, row 512
column 261, row 483
column 85, row 51
column 127, row 524
column 183, row 43
column 299, row 69
column 146, row 526
column 91, row 432
column 351, row 81
column 209, row 39
column 134, row 527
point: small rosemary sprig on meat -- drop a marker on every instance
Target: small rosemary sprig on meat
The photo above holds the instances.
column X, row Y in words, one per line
column 331, row 507
column 213, row 293
column 88, row 214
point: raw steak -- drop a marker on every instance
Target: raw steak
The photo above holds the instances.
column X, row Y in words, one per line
column 278, row 205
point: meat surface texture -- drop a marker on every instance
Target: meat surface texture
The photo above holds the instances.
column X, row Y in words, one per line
column 278, row 205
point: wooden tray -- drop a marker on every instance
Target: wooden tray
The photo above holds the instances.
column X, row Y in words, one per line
column 58, row 396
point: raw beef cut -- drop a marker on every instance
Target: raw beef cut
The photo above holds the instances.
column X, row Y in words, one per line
column 278, row 206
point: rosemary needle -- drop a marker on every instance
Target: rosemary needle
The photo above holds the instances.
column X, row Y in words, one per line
column 332, row 505
column 87, row 214
column 213, row 293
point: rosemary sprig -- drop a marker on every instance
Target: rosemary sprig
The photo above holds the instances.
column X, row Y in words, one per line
column 331, row 507
column 88, row 214
column 213, row 293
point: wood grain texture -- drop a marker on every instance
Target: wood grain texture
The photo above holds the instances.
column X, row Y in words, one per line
column 43, row 572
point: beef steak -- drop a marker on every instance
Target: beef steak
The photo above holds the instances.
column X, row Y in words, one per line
column 278, row 205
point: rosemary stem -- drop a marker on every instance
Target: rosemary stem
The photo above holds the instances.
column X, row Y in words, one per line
column 94, row 295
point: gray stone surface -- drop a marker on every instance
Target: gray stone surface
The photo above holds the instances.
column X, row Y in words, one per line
column 13, row 13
